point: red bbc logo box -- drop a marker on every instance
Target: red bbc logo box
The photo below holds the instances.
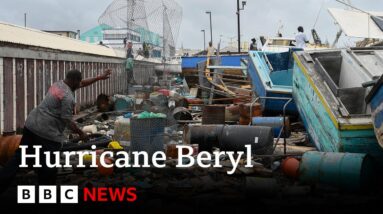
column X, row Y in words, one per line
column 47, row 195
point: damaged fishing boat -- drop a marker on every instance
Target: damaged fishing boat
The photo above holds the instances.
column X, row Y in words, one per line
column 328, row 91
column 271, row 74
column 375, row 99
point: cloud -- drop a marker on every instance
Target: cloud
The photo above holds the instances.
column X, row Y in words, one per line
column 260, row 17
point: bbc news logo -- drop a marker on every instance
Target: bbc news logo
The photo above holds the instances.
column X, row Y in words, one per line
column 70, row 194
column 47, row 195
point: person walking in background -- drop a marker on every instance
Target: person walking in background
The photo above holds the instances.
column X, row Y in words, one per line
column 129, row 62
column 253, row 45
column 301, row 38
column 210, row 50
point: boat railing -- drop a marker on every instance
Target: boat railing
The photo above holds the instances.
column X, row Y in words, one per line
column 283, row 130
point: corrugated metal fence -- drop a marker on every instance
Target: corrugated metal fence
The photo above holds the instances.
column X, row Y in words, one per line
column 26, row 75
column 143, row 72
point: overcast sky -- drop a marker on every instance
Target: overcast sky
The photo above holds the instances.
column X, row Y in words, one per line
column 260, row 17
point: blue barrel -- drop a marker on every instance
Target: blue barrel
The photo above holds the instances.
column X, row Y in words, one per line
column 274, row 122
column 347, row 171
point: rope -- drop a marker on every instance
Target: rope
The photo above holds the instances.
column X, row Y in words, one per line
column 319, row 12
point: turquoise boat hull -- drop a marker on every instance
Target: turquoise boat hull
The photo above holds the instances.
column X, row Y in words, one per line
column 271, row 75
column 328, row 129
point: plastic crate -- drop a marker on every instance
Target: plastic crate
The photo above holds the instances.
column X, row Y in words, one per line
column 147, row 135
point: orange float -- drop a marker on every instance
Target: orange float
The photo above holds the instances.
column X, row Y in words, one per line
column 290, row 167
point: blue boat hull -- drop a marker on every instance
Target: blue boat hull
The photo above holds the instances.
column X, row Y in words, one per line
column 192, row 61
column 376, row 103
column 275, row 84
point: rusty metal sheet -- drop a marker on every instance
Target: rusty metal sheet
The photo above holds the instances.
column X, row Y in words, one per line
column 30, row 85
column 8, row 92
column 20, row 94
column 213, row 114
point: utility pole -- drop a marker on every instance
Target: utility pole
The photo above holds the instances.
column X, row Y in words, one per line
column 204, row 39
column 239, row 28
column 25, row 20
column 239, row 22
column 211, row 27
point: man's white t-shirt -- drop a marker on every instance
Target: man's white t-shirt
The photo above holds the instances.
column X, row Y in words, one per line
column 301, row 40
column 210, row 51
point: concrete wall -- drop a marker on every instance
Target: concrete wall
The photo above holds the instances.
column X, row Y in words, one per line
column 27, row 73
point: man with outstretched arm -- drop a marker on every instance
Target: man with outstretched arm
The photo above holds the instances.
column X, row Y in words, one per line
column 45, row 126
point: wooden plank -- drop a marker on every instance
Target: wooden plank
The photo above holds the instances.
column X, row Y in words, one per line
column 40, row 80
column 126, row 77
column 95, row 68
column 20, row 94
column 93, row 86
column 89, row 88
column 106, row 83
column 55, row 76
column 110, row 81
column 77, row 66
column 98, row 69
column 115, row 79
column 8, row 93
column 82, row 90
column 86, row 76
column 103, row 82
column 67, row 67
column 48, row 75
column 61, row 70
column 30, row 85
